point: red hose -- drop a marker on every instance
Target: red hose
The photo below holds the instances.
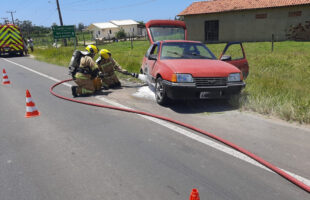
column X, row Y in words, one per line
column 251, row 155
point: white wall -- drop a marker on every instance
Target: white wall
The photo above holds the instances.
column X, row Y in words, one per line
column 107, row 33
column 130, row 29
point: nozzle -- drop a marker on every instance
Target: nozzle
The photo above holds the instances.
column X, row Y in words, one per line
column 135, row 75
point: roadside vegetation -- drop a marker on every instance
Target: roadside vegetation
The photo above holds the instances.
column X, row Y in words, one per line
column 278, row 83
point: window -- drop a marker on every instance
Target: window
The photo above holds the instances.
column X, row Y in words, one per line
column 98, row 32
column 167, row 33
column 261, row 16
column 154, row 50
column 185, row 50
column 235, row 51
column 212, row 30
column 294, row 14
column 110, row 31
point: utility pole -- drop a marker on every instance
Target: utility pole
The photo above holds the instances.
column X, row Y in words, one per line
column 11, row 15
column 60, row 19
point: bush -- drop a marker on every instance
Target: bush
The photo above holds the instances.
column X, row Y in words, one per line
column 120, row 34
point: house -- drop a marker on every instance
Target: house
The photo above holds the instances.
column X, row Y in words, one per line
column 247, row 20
column 107, row 30
column 104, row 30
column 129, row 26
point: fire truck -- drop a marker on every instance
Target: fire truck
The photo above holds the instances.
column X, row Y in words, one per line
column 11, row 40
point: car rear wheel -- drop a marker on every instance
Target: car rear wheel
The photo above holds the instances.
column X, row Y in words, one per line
column 160, row 93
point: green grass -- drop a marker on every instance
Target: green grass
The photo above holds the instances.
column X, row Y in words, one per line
column 278, row 83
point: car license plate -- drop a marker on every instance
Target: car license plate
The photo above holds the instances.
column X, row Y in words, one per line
column 204, row 95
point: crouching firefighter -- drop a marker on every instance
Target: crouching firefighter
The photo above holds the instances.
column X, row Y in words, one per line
column 84, row 71
column 107, row 65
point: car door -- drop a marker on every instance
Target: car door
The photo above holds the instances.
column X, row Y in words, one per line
column 233, row 53
column 150, row 60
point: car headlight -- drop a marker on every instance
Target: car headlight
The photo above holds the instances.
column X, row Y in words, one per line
column 183, row 78
column 234, row 77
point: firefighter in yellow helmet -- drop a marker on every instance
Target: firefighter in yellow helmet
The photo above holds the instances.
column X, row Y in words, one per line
column 107, row 65
column 86, row 72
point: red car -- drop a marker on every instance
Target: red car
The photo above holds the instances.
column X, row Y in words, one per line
column 183, row 69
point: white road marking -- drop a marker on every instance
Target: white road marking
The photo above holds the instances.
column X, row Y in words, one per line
column 36, row 72
column 182, row 131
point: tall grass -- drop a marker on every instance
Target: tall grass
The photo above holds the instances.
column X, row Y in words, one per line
column 278, row 83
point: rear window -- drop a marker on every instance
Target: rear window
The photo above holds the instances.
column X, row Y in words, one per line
column 185, row 50
column 167, row 33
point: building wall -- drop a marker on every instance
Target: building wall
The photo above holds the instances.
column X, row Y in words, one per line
column 108, row 33
column 104, row 33
column 244, row 26
column 130, row 30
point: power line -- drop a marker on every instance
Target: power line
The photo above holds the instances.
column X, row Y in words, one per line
column 11, row 15
column 119, row 7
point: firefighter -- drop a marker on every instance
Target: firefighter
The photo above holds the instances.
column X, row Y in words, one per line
column 107, row 65
column 86, row 73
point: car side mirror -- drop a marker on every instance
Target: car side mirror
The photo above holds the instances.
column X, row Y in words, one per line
column 226, row 58
column 152, row 57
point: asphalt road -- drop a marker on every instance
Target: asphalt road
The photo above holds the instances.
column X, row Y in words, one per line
column 74, row 151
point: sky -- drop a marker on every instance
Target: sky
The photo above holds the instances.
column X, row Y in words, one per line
column 44, row 12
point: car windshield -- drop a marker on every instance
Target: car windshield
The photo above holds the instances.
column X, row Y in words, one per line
column 185, row 50
column 167, row 33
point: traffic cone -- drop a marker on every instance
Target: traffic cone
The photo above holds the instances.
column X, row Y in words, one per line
column 5, row 79
column 31, row 110
column 194, row 195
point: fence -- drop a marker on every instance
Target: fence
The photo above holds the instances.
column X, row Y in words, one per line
column 82, row 39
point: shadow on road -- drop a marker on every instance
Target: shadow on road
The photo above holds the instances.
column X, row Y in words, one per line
column 13, row 56
column 202, row 106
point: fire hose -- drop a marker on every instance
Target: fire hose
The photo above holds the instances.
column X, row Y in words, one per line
column 226, row 142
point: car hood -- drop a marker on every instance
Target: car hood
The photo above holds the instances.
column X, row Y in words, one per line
column 201, row 67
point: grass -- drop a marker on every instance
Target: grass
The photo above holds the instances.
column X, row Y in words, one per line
column 278, row 83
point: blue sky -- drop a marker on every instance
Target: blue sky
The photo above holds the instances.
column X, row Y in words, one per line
column 44, row 12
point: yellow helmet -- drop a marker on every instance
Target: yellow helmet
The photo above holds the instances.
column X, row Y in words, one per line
column 92, row 49
column 105, row 53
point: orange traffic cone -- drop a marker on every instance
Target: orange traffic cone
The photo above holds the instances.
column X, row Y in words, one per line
column 31, row 110
column 5, row 79
column 194, row 195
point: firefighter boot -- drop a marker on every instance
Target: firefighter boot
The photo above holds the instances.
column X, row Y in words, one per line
column 73, row 89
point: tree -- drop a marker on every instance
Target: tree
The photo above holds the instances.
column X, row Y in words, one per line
column 177, row 17
column 141, row 23
column 120, row 34
column 80, row 26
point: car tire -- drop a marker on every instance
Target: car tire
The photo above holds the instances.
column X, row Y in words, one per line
column 160, row 92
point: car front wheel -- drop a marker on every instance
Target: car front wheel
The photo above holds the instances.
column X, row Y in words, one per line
column 160, row 93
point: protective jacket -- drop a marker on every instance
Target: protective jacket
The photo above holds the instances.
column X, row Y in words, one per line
column 87, row 68
column 85, row 75
column 107, row 67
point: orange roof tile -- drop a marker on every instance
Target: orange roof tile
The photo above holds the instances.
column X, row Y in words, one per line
column 214, row 6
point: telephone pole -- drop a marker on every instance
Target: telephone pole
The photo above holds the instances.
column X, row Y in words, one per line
column 60, row 19
column 11, row 15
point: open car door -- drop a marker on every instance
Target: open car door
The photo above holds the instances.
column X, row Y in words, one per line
column 158, row 30
column 234, row 54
